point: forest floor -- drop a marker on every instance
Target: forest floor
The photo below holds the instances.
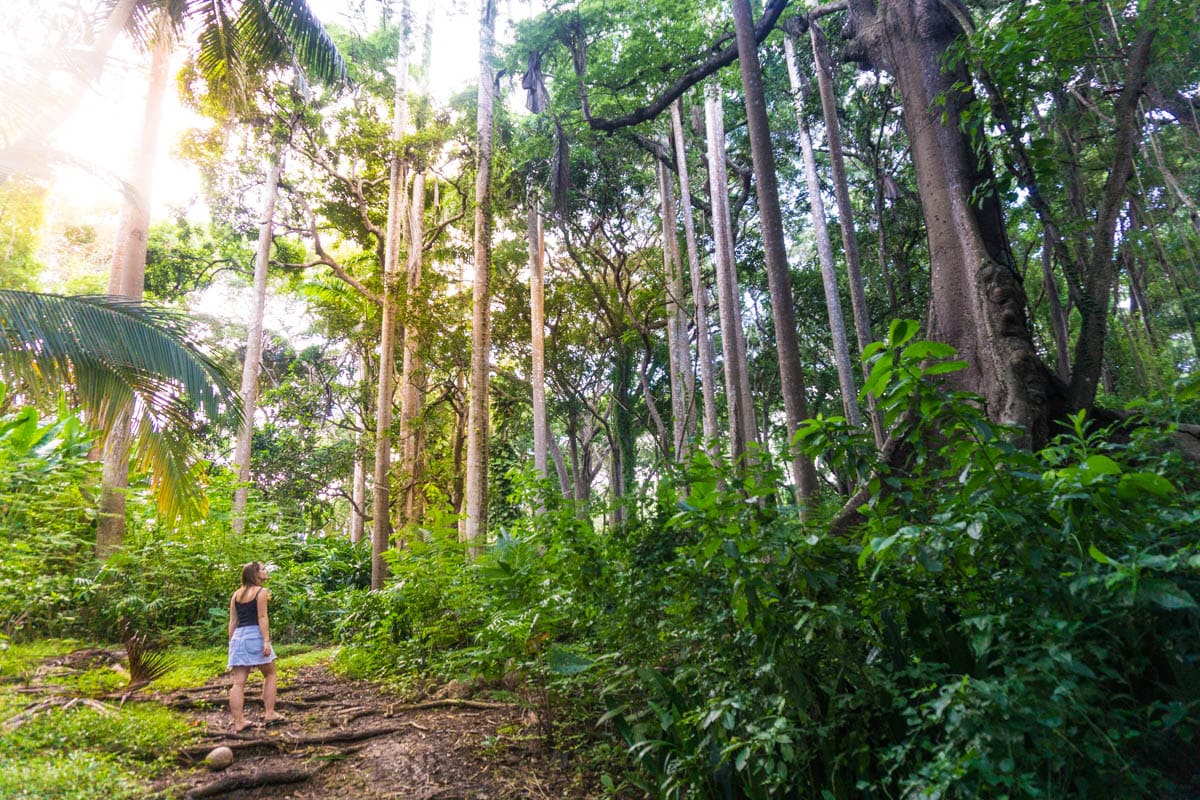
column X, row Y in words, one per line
column 346, row 739
column 342, row 739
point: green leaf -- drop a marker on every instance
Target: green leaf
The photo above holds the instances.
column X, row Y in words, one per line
column 919, row 351
column 1165, row 594
column 564, row 662
column 1102, row 465
column 943, row 367
column 901, row 330
column 1142, row 483
column 1096, row 555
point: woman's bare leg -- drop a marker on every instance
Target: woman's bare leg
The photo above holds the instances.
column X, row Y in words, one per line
column 268, row 671
column 237, row 698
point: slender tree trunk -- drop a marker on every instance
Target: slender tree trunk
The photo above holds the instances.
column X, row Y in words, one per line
column 381, row 528
column 252, row 363
column 1102, row 267
column 411, row 381
column 1058, row 315
column 704, row 350
column 791, row 373
column 358, row 492
column 833, row 302
column 737, row 385
column 537, row 331
column 127, row 277
column 841, row 190
column 474, row 529
column 560, row 466
column 677, row 360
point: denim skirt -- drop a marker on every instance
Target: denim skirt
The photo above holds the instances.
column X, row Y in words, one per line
column 246, row 648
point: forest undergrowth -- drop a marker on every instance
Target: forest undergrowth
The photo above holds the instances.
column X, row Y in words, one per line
column 1001, row 623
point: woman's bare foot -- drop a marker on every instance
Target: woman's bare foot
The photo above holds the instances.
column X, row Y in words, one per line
column 239, row 728
column 274, row 719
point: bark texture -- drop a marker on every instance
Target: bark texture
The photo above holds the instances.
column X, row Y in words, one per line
column 127, row 276
column 704, row 350
column 381, row 524
column 977, row 301
column 252, row 363
column 738, row 404
column 474, row 528
column 791, row 372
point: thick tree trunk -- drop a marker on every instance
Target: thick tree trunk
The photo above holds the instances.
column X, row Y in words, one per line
column 677, row 360
column 833, row 302
column 739, row 406
column 474, row 529
column 412, row 378
column 537, row 339
column 791, row 373
column 704, row 350
column 127, row 276
column 252, row 363
column 381, row 528
column 977, row 301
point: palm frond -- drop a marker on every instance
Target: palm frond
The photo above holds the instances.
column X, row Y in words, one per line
column 221, row 54
column 308, row 43
column 131, row 367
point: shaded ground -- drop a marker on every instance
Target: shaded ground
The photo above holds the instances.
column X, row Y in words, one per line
column 347, row 739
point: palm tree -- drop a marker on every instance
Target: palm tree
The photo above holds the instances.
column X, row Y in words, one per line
column 129, row 366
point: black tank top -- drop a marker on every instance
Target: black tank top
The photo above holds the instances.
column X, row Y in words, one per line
column 247, row 612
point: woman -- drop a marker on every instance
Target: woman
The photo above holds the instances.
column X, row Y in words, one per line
column 250, row 645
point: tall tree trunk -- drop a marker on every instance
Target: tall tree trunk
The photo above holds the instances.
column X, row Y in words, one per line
column 841, row 191
column 977, row 299
column 791, row 373
column 833, row 302
column 737, row 384
column 358, row 492
column 1058, row 315
column 474, row 529
column 127, row 276
column 560, row 466
column 252, row 363
column 412, row 379
column 381, row 527
column 677, row 360
column 704, row 351
column 537, row 337
column 1102, row 267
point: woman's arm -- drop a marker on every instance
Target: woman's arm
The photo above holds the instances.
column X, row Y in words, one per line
column 263, row 625
column 232, row 616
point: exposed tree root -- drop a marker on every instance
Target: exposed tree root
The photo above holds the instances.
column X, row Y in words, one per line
column 242, row 743
column 255, row 780
column 449, row 702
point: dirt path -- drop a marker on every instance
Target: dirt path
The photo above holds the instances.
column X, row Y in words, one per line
column 346, row 739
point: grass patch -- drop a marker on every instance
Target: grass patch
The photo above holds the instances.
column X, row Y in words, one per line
column 193, row 667
column 145, row 732
column 83, row 753
column 20, row 660
column 73, row 776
